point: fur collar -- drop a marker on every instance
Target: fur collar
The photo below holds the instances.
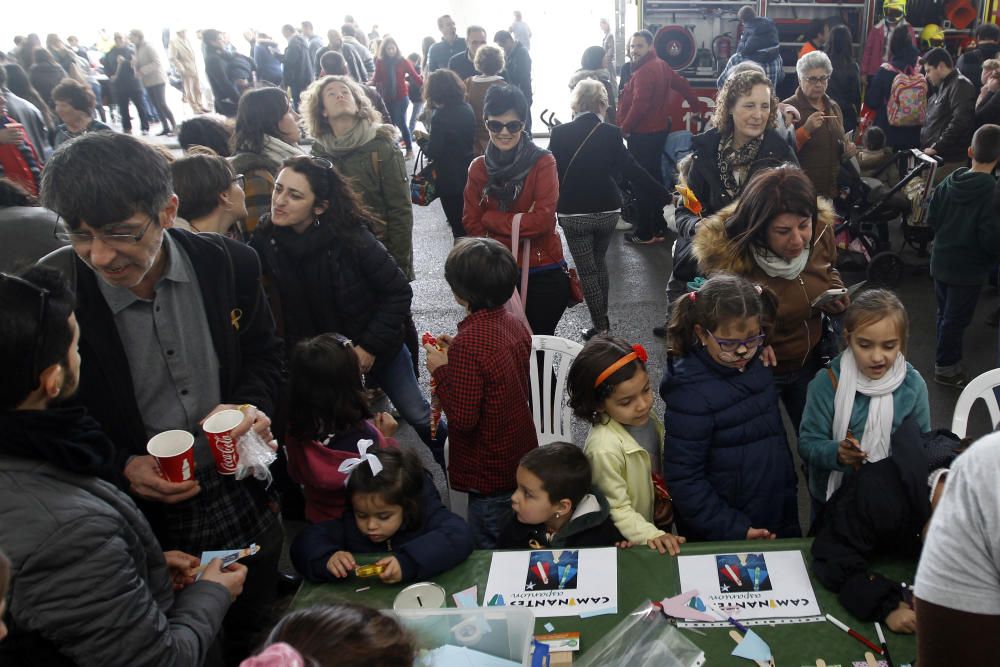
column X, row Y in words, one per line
column 716, row 252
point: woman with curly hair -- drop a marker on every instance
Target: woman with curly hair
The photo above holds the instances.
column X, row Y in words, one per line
column 741, row 142
column 349, row 133
column 328, row 273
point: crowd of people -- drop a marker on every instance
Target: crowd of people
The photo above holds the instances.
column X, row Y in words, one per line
column 268, row 271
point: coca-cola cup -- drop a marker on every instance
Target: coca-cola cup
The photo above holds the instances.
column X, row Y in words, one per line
column 174, row 453
column 219, row 429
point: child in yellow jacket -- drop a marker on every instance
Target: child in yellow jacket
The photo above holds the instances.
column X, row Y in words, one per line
column 610, row 388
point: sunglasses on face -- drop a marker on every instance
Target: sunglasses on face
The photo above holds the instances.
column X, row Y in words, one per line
column 513, row 127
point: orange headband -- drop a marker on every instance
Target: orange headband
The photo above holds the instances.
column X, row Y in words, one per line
column 638, row 352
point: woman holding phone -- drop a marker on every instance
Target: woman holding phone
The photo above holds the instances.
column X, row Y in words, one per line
column 819, row 131
column 780, row 235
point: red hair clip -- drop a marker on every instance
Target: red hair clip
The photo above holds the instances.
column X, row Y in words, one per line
column 693, row 296
column 640, row 352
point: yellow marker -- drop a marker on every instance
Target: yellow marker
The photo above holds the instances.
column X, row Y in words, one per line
column 372, row 570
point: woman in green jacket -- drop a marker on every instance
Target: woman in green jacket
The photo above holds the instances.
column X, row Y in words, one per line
column 348, row 132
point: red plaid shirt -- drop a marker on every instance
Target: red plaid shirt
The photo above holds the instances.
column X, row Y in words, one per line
column 485, row 392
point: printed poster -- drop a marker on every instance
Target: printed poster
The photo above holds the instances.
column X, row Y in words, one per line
column 752, row 586
column 555, row 582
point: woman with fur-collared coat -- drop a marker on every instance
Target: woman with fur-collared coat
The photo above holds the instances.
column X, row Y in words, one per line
column 780, row 234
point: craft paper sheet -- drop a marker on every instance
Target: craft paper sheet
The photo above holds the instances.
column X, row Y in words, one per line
column 556, row 582
column 753, row 586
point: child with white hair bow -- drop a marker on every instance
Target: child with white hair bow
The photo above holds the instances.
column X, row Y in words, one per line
column 393, row 507
column 857, row 402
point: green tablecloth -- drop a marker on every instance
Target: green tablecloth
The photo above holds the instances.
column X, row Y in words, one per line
column 645, row 575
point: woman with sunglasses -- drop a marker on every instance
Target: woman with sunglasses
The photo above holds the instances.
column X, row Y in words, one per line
column 211, row 195
column 780, row 235
column 726, row 459
column 326, row 272
column 819, row 131
column 349, row 133
column 516, row 185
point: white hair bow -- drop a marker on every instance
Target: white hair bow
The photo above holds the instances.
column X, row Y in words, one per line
column 349, row 465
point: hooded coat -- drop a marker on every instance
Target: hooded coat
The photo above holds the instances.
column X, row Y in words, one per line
column 797, row 327
column 966, row 233
column 725, row 455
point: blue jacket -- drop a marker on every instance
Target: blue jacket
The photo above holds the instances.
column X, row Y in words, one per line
column 726, row 460
column 817, row 447
column 442, row 542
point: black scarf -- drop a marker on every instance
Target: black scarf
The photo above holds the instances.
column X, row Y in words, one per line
column 68, row 438
column 507, row 170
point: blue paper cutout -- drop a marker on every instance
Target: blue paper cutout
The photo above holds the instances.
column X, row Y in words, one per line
column 753, row 648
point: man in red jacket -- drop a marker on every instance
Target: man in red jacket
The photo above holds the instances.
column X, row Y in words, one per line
column 644, row 117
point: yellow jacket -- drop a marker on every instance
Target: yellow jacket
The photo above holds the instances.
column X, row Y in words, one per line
column 622, row 472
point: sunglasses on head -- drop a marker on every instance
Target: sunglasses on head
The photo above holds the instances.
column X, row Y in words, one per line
column 496, row 126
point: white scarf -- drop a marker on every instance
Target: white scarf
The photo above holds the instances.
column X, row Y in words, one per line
column 277, row 150
column 878, row 426
column 779, row 267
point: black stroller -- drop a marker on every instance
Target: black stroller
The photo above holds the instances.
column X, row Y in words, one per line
column 863, row 236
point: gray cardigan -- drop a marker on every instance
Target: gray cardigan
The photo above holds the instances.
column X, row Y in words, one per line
column 89, row 583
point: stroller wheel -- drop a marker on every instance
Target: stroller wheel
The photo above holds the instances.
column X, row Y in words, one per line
column 885, row 269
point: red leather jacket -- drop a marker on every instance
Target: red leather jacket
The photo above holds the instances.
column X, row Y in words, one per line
column 537, row 202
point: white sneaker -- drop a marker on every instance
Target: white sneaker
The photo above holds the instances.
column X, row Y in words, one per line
column 623, row 226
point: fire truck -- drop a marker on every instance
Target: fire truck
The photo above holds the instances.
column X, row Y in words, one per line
column 697, row 37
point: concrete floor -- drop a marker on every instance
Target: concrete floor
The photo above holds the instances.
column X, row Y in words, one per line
column 638, row 301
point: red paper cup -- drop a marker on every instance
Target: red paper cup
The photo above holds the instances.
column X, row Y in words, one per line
column 174, row 452
column 219, row 429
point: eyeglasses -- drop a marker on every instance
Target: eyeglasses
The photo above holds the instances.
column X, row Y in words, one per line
column 240, row 180
column 728, row 347
column 63, row 233
column 38, row 339
column 496, row 126
column 813, row 80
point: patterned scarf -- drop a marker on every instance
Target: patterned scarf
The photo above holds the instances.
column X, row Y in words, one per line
column 507, row 170
column 735, row 162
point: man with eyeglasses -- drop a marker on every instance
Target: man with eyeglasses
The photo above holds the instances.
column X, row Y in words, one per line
column 174, row 328
column 819, row 132
column 91, row 584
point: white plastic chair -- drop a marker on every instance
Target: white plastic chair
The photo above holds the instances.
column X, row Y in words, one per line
column 458, row 501
column 981, row 387
column 551, row 413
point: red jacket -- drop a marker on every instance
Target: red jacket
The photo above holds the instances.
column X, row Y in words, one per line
column 403, row 68
column 484, row 390
column 644, row 105
column 483, row 217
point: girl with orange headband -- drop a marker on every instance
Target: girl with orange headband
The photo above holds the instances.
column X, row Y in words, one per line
column 609, row 387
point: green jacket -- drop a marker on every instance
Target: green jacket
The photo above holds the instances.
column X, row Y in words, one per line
column 966, row 228
column 378, row 172
column 816, row 444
